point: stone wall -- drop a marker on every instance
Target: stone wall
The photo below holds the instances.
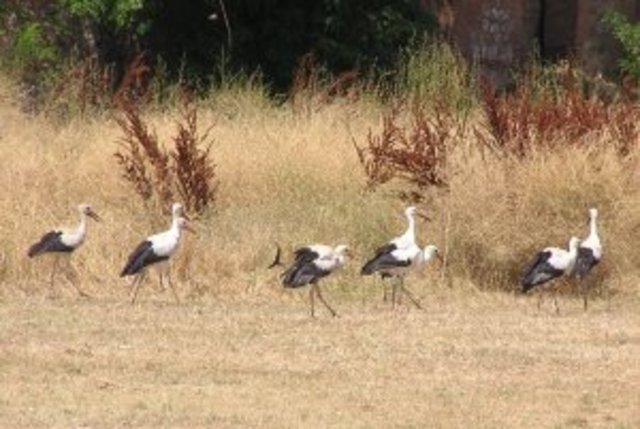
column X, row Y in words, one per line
column 500, row 35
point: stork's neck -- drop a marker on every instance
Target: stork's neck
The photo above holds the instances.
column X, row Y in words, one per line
column 82, row 225
column 573, row 250
column 175, row 227
column 410, row 233
column 593, row 229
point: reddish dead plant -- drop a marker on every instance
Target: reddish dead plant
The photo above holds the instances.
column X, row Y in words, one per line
column 195, row 173
column 186, row 171
column 143, row 159
column 415, row 153
column 312, row 89
column 526, row 119
column 85, row 87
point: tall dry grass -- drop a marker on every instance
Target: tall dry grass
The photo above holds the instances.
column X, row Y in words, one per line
column 295, row 178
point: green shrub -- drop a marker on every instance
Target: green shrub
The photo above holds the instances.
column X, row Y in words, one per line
column 31, row 52
column 435, row 71
column 629, row 36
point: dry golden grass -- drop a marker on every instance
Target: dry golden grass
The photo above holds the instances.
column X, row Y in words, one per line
column 242, row 352
column 487, row 361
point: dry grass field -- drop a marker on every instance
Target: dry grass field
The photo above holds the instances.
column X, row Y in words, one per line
column 240, row 351
column 488, row 361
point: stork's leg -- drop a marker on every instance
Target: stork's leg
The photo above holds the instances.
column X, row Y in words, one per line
column 584, row 289
column 72, row 276
column 161, row 279
column 585, row 300
column 540, row 296
column 384, row 290
column 311, row 293
column 555, row 301
column 317, row 288
column 411, row 297
column 136, row 286
column 394, row 288
column 162, row 273
column 173, row 289
column 54, row 267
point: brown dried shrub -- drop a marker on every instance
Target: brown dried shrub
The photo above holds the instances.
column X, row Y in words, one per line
column 192, row 166
column 543, row 118
column 412, row 149
column 186, row 172
column 85, row 87
column 311, row 88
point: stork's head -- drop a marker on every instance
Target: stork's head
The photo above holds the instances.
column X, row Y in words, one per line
column 183, row 224
column 574, row 243
column 86, row 209
column 177, row 210
column 593, row 213
column 343, row 249
column 412, row 211
column 431, row 251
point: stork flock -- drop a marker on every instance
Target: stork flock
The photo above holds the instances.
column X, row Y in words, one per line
column 393, row 261
column 155, row 250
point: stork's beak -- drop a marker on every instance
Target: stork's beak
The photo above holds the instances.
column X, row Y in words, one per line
column 423, row 216
column 191, row 230
column 185, row 215
column 93, row 215
column 440, row 258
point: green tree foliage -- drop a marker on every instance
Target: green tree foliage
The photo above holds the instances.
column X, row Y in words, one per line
column 31, row 51
column 197, row 37
column 629, row 36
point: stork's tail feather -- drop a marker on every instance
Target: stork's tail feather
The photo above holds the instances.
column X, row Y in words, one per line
column 524, row 288
column 369, row 268
column 133, row 267
column 35, row 249
column 126, row 271
column 277, row 260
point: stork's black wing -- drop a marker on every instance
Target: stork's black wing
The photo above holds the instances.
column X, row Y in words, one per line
column 305, row 255
column 585, row 262
column 50, row 242
column 303, row 273
column 382, row 259
column 540, row 271
column 140, row 258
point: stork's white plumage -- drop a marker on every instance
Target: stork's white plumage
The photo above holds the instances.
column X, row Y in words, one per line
column 407, row 239
column 155, row 250
column 399, row 263
column 63, row 242
column 589, row 253
column 177, row 210
column 550, row 263
column 404, row 246
column 311, row 264
column 398, row 257
column 427, row 254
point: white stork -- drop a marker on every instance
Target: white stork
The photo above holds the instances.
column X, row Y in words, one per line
column 399, row 263
column 589, row 253
column 177, row 210
column 396, row 257
column 549, row 264
column 155, row 249
column 62, row 242
column 311, row 264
